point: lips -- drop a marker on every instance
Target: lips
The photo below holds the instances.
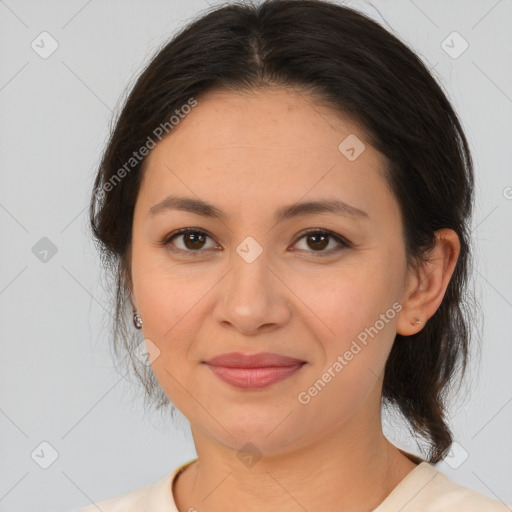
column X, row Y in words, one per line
column 253, row 370
column 261, row 360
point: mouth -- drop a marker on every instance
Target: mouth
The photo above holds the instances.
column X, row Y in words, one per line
column 253, row 371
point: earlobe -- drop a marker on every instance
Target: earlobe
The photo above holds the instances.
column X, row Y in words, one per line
column 428, row 282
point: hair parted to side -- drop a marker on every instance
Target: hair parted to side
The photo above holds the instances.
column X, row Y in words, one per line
column 347, row 61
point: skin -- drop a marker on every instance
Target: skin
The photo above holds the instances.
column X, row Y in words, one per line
column 250, row 154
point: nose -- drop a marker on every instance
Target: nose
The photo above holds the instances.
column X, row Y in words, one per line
column 252, row 298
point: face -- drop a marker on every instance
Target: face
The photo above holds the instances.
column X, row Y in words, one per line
column 311, row 284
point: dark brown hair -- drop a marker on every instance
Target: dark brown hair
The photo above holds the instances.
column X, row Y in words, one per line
column 351, row 63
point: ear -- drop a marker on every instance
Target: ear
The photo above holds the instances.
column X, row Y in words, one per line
column 427, row 283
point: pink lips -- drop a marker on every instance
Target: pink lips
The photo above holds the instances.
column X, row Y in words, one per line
column 253, row 370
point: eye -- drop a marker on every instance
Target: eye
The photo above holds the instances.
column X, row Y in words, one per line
column 193, row 240
column 318, row 239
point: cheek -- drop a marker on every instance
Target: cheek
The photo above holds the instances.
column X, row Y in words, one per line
column 359, row 307
column 166, row 292
column 350, row 300
column 173, row 313
column 170, row 307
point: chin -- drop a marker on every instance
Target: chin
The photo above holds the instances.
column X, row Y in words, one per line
column 262, row 437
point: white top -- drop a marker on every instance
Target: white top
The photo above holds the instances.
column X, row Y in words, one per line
column 424, row 489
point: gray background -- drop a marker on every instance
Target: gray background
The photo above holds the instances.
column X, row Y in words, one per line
column 57, row 382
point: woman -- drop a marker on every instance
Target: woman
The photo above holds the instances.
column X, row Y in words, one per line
column 285, row 201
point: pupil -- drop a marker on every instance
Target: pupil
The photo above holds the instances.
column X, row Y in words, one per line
column 196, row 238
column 322, row 243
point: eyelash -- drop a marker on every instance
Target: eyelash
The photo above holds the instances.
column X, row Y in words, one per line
column 345, row 244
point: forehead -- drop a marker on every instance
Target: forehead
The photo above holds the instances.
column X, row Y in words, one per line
column 271, row 143
column 270, row 119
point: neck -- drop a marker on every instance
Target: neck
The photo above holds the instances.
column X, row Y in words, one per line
column 332, row 474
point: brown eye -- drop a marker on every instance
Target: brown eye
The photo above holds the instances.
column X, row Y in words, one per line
column 192, row 240
column 319, row 240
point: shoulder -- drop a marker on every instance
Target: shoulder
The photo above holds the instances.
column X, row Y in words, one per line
column 148, row 498
column 427, row 489
column 453, row 497
column 155, row 496
column 135, row 500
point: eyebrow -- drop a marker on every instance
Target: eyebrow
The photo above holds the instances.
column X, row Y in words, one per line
column 200, row 207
